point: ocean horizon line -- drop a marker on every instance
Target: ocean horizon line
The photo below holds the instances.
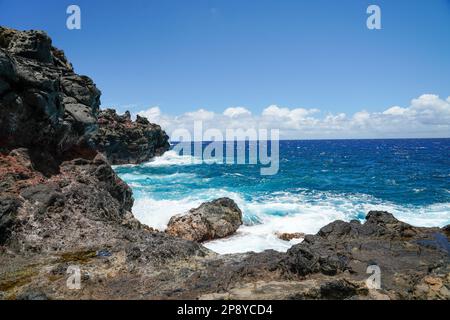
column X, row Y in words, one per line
column 331, row 139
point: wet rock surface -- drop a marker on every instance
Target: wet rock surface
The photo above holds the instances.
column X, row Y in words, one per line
column 212, row 220
column 124, row 141
column 63, row 206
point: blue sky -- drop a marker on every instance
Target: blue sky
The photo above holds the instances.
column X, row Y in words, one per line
column 215, row 54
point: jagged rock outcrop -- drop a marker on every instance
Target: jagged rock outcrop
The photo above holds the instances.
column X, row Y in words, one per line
column 124, row 141
column 45, row 105
column 212, row 220
column 86, row 205
column 61, row 202
column 414, row 263
column 407, row 256
column 56, row 191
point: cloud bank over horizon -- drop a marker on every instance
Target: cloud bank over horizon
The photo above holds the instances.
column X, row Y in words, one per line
column 427, row 116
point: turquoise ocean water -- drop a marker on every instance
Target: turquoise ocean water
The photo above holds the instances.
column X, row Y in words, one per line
column 318, row 182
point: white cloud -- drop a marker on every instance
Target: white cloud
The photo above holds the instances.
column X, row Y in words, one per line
column 153, row 114
column 395, row 111
column 201, row 114
column 430, row 109
column 361, row 117
column 426, row 116
column 275, row 111
column 236, row 112
column 294, row 114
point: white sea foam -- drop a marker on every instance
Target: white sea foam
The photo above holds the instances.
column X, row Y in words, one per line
column 133, row 176
column 174, row 177
column 436, row 215
column 297, row 211
column 157, row 213
column 284, row 212
column 262, row 236
column 309, row 219
column 171, row 158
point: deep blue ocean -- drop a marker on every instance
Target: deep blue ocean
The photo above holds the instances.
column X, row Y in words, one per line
column 318, row 182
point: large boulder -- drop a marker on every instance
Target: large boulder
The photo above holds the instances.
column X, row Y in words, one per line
column 124, row 141
column 212, row 220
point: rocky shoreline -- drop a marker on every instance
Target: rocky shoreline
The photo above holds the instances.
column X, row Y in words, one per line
column 123, row 141
column 62, row 205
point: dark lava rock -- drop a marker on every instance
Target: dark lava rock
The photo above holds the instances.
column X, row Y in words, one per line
column 45, row 105
column 58, row 194
column 212, row 220
column 124, row 141
column 33, row 295
column 33, row 44
column 394, row 246
column 44, row 194
column 61, row 204
column 447, row 229
column 337, row 290
column 8, row 214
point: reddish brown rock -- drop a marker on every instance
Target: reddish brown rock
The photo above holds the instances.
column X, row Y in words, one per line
column 285, row 236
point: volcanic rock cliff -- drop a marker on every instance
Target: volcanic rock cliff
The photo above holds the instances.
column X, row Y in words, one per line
column 62, row 207
column 45, row 106
column 60, row 200
column 123, row 141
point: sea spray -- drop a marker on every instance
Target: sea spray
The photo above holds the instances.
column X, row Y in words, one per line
column 318, row 182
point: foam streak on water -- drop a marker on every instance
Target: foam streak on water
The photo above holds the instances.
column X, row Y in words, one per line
column 319, row 182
